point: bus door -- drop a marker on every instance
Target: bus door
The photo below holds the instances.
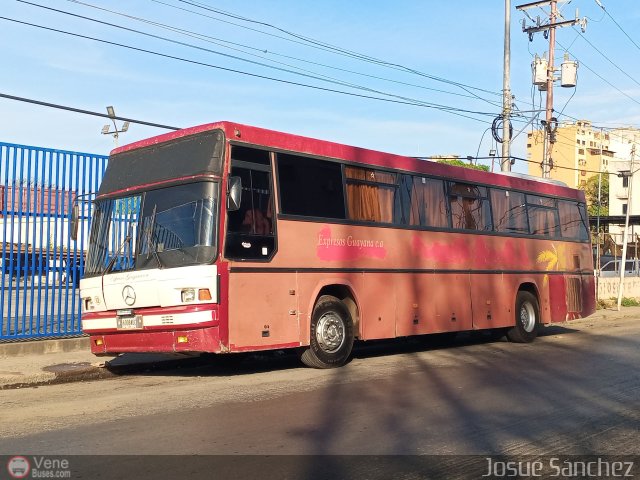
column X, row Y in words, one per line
column 260, row 310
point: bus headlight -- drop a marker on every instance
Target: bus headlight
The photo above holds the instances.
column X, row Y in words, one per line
column 188, row 295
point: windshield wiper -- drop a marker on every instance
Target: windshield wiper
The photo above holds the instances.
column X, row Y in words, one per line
column 126, row 240
column 151, row 244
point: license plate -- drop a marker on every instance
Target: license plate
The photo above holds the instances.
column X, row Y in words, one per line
column 129, row 323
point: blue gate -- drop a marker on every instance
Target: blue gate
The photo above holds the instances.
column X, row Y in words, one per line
column 41, row 265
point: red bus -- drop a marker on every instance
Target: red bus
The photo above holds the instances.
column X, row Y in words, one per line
column 230, row 238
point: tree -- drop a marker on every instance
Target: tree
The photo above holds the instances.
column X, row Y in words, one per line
column 460, row 163
column 591, row 192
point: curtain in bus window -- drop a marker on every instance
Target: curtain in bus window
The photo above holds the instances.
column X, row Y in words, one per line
column 572, row 222
column 542, row 221
column 543, row 216
column 427, row 203
column 469, row 207
column 509, row 211
column 370, row 194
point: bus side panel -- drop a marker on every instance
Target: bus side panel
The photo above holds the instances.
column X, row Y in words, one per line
column 431, row 303
column 262, row 311
column 451, row 297
column 491, row 298
column 414, row 310
column 558, row 298
column 377, row 307
column 588, row 295
column 571, row 296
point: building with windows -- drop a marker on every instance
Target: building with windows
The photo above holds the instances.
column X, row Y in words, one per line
column 578, row 152
column 624, row 170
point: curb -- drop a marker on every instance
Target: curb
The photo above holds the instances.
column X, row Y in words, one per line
column 77, row 373
column 44, row 346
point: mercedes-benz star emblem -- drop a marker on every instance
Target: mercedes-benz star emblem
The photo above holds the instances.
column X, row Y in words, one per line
column 129, row 295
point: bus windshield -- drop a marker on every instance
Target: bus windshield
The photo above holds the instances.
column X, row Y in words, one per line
column 168, row 227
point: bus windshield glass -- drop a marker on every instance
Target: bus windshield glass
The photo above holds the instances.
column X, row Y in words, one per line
column 168, row 227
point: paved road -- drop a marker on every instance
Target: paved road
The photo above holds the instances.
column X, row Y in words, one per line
column 576, row 390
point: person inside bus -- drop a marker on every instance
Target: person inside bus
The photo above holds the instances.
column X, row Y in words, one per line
column 256, row 222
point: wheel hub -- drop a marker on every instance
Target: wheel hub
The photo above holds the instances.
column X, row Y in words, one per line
column 330, row 332
column 527, row 317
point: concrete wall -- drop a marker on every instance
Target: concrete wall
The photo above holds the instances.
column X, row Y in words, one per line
column 608, row 287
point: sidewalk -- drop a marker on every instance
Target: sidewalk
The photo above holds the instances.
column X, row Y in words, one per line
column 45, row 362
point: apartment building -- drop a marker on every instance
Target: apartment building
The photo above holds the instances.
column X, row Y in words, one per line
column 579, row 151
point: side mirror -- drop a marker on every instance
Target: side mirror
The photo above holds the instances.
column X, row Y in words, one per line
column 234, row 193
column 75, row 220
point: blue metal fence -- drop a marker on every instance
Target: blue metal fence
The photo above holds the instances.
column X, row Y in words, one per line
column 41, row 265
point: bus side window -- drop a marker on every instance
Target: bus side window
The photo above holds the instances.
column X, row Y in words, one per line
column 469, row 207
column 573, row 220
column 542, row 214
column 251, row 229
column 370, row 194
column 310, row 187
column 255, row 213
column 509, row 211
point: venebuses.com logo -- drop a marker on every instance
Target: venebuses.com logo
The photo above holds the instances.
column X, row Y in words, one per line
column 19, row 466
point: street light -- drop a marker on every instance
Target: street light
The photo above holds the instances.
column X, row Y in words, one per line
column 105, row 130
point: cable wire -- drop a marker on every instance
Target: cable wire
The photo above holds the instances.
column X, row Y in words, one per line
column 443, row 108
column 313, row 76
column 86, row 112
column 226, row 44
column 617, row 24
column 601, row 77
column 321, row 45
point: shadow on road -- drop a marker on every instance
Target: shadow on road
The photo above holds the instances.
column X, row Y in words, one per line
column 258, row 362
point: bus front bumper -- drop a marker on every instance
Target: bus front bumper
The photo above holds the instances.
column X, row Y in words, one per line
column 205, row 339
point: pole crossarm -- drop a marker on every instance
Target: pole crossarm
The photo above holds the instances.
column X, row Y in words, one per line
column 540, row 28
column 540, row 3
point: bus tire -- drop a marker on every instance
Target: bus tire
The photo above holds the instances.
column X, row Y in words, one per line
column 331, row 337
column 527, row 318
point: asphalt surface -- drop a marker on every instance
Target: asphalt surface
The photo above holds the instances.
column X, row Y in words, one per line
column 47, row 362
column 575, row 391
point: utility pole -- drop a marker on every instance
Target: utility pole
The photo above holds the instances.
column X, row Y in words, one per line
column 505, row 164
column 551, row 136
column 549, row 29
column 623, row 260
column 599, row 205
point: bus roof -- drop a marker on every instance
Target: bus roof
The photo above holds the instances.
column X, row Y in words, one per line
column 292, row 143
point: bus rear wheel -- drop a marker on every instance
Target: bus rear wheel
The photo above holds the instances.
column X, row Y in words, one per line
column 527, row 318
column 331, row 338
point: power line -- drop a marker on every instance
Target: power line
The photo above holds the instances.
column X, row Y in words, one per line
column 606, row 57
column 86, row 112
column 168, row 127
column 617, row 24
column 452, row 110
column 227, row 44
column 601, row 77
column 314, row 76
column 597, row 123
column 318, row 44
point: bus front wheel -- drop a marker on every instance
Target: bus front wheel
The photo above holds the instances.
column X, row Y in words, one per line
column 331, row 337
column 527, row 318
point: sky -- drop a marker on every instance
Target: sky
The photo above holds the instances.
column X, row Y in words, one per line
column 416, row 78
